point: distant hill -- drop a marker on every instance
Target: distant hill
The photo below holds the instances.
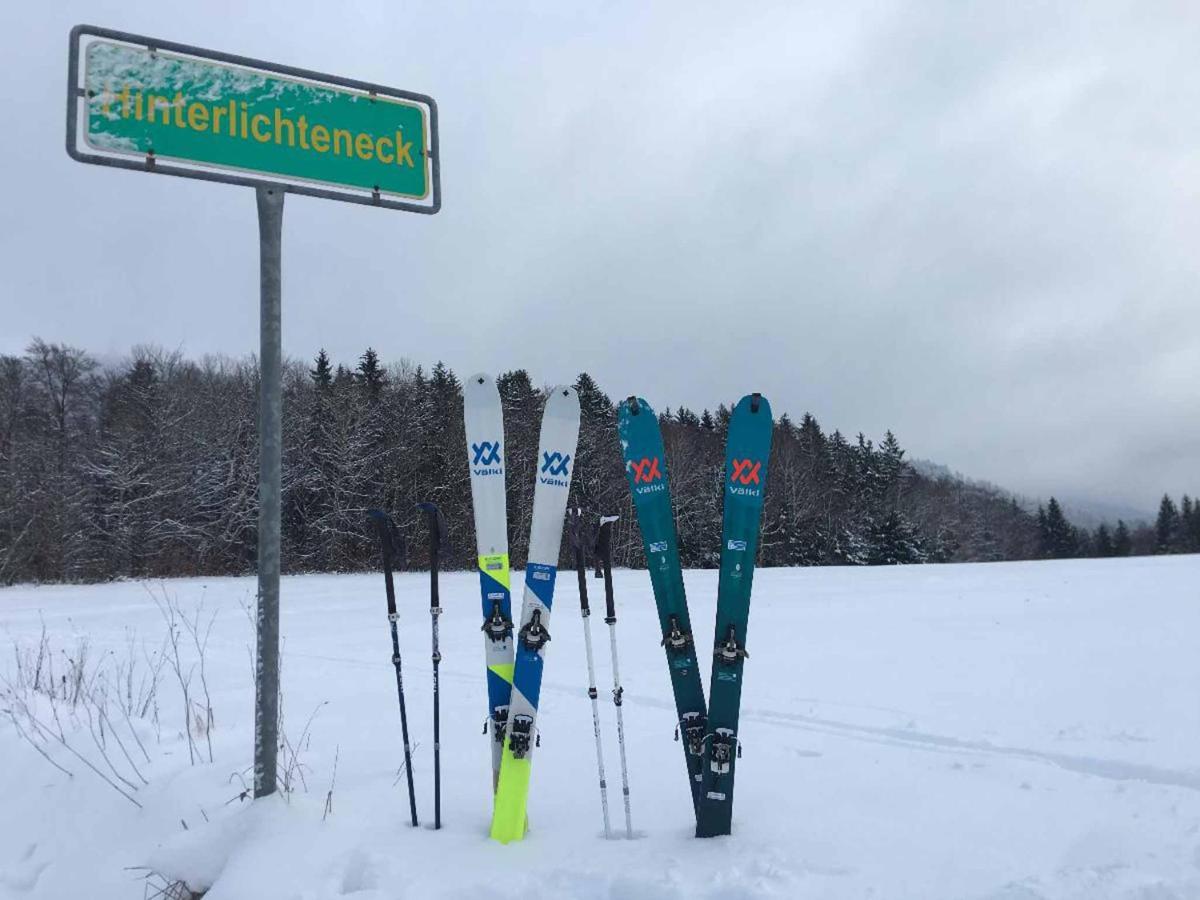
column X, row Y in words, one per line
column 1085, row 512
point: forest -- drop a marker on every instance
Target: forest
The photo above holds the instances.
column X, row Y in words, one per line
column 148, row 468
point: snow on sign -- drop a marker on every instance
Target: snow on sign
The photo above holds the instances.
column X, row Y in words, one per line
column 150, row 104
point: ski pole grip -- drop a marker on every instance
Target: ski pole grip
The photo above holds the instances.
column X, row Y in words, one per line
column 574, row 526
column 604, row 550
column 386, row 529
column 437, row 531
column 581, row 576
column 610, row 606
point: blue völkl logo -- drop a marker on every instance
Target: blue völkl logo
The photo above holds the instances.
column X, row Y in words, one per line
column 555, row 463
column 555, row 469
column 487, row 453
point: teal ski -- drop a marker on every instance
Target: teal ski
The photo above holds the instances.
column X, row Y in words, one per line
column 646, row 469
column 747, row 449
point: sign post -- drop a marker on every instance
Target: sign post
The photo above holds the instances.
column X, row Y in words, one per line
column 270, row 487
column 139, row 103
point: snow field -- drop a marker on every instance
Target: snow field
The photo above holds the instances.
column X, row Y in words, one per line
column 1007, row 731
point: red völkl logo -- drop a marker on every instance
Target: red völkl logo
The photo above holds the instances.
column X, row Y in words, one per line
column 645, row 470
column 745, row 471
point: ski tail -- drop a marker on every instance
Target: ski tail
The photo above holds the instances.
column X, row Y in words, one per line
column 512, row 792
column 747, row 451
column 516, row 766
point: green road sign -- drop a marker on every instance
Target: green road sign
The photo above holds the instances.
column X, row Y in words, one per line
column 162, row 106
column 135, row 102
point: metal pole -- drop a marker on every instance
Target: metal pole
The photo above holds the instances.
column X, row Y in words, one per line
column 618, row 693
column 270, row 451
column 593, row 694
column 605, row 554
column 388, row 544
column 437, row 534
column 575, row 519
column 435, row 610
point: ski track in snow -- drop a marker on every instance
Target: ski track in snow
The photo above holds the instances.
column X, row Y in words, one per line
column 1024, row 731
column 1086, row 765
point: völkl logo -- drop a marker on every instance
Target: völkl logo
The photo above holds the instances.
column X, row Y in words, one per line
column 555, row 469
column 646, row 472
column 487, row 458
column 745, row 472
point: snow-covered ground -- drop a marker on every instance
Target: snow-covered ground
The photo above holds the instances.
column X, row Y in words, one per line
column 1006, row 731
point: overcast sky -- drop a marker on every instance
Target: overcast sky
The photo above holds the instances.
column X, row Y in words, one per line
column 974, row 224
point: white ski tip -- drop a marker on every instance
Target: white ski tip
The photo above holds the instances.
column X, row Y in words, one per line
column 563, row 402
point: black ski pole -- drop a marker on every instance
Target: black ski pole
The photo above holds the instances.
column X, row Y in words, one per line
column 437, row 536
column 604, row 552
column 388, row 541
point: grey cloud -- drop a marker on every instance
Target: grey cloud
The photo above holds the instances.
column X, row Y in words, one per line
column 973, row 224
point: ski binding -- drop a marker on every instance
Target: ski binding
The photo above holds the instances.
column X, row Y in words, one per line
column 692, row 725
column 730, row 651
column 676, row 639
column 720, row 752
column 519, row 735
column 534, row 635
column 499, row 721
column 497, row 626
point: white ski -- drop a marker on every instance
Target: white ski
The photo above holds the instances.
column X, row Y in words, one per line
column 555, row 463
column 484, row 420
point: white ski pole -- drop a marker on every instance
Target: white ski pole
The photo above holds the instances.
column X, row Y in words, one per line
column 604, row 550
column 576, row 520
